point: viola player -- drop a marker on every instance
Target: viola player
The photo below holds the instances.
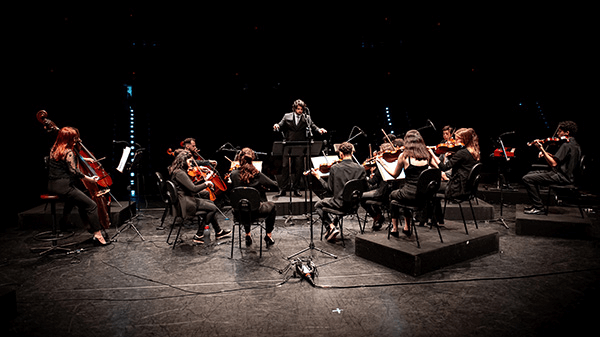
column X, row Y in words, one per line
column 190, row 201
column 563, row 165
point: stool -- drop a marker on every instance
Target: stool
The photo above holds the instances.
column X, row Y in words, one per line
column 52, row 236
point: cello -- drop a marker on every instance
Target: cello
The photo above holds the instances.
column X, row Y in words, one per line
column 99, row 191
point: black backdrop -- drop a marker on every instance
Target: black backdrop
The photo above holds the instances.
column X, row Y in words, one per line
column 227, row 75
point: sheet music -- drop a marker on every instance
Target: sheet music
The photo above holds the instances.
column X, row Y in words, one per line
column 391, row 167
column 124, row 156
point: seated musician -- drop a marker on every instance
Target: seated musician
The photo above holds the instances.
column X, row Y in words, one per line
column 339, row 175
column 379, row 189
column 62, row 178
column 248, row 175
column 190, row 145
column 563, row 165
column 190, row 201
column 415, row 159
column 447, row 135
column 461, row 162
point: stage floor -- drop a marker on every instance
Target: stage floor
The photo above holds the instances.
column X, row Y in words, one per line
column 532, row 286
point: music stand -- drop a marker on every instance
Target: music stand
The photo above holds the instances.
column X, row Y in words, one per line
column 295, row 149
column 135, row 164
column 504, row 156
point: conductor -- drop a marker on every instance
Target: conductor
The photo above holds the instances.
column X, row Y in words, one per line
column 294, row 126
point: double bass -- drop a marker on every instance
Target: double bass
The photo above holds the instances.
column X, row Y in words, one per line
column 99, row 191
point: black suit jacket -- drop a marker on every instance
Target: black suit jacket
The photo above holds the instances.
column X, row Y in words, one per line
column 293, row 131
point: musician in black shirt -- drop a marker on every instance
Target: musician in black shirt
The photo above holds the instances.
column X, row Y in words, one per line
column 562, row 166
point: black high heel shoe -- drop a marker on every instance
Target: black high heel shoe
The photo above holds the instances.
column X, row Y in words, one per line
column 269, row 240
column 97, row 242
column 408, row 232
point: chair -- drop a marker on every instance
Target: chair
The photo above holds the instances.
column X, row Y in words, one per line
column 55, row 234
column 427, row 186
column 162, row 191
column 173, row 201
column 570, row 190
column 471, row 194
column 245, row 202
column 351, row 195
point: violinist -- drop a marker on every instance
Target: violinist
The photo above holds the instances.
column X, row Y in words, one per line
column 415, row 159
column 248, row 175
column 339, row 174
column 378, row 189
column 62, row 177
column 187, row 194
column 447, row 135
column 294, row 127
column 563, row 165
column 461, row 162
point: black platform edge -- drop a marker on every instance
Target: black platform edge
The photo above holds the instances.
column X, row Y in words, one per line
column 561, row 222
column 41, row 217
column 483, row 211
column 404, row 256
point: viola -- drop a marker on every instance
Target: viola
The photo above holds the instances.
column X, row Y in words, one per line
column 101, row 196
column 550, row 140
column 199, row 174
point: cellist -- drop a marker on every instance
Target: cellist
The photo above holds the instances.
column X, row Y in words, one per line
column 62, row 177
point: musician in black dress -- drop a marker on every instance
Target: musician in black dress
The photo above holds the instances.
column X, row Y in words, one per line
column 461, row 163
column 63, row 176
column 248, row 175
column 294, row 126
column 189, row 199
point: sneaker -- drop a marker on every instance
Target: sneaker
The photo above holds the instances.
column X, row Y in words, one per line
column 198, row 239
column 331, row 234
column 222, row 234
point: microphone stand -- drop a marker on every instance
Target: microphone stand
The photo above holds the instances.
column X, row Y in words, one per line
column 500, row 184
column 308, row 183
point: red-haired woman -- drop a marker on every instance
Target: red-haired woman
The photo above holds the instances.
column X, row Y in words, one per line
column 62, row 176
column 461, row 162
column 248, row 175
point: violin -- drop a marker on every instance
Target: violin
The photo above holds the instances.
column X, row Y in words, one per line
column 324, row 168
column 450, row 145
column 550, row 140
column 101, row 196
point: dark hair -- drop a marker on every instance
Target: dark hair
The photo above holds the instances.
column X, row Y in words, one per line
column 414, row 146
column 247, row 170
column 180, row 161
column 346, row 148
column 568, row 126
column 297, row 103
column 187, row 141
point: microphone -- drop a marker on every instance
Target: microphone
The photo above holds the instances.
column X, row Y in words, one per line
column 431, row 123
column 360, row 131
column 507, row 133
column 120, row 142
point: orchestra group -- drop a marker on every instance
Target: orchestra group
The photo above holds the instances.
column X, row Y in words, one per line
column 455, row 157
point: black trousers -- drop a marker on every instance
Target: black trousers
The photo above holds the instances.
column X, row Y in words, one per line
column 534, row 179
column 269, row 212
column 88, row 210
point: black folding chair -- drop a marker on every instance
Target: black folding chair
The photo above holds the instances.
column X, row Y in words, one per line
column 173, row 201
column 351, row 195
column 471, row 194
column 427, row 186
column 245, row 202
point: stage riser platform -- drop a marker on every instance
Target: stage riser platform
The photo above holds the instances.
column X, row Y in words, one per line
column 41, row 216
column 402, row 254
column 483, row 211
column 561, row 222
